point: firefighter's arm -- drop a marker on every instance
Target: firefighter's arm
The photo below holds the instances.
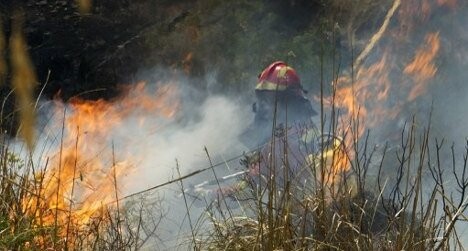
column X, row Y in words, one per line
column 251, row 162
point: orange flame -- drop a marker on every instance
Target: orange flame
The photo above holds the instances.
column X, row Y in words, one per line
column 364, row 98
column 371, row 97
column 84, row 174
column 422, row 67
column 362, row 102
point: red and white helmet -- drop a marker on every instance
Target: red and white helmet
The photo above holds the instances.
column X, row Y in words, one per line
column 278, row 76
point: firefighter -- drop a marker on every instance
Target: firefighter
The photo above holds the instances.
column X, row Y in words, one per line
column 283, row 115
column 295, row 162
column 280, row 101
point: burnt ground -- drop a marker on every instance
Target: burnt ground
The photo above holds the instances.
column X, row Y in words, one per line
column 92, row 51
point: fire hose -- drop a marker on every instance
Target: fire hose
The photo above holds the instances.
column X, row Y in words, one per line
column 210, row 190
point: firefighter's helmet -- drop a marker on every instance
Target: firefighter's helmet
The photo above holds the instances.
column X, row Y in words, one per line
column 278, row 76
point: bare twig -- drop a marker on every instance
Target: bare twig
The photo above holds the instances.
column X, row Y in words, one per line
column 187, row 207
column 378, row 35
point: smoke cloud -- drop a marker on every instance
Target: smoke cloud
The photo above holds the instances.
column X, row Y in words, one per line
column 144, row 145
column 152, row 143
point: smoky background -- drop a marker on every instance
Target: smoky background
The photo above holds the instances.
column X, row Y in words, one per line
column 216, row 120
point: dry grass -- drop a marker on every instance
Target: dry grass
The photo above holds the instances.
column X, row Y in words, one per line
column 23, row 81
column 410, row 209
column 405, row 205
column 25, row 217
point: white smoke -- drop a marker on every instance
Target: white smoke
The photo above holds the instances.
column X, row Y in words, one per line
column 221, row 122
column 155, row 143
column 217, row 121
column 153, row 146
column 446, row 98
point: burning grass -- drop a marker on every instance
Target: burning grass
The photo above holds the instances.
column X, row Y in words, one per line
column 359, row 196
column 407, row 208
column 394, row 197
column 69, row 199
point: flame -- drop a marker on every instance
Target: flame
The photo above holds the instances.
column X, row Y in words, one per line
column 422, row 67
column 86, row 173
column 364, row 98
column 376, row 94
column 335, row 159
column 372, row 97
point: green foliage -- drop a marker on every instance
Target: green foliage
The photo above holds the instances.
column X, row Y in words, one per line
column 236, row 40
column 16, row 230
